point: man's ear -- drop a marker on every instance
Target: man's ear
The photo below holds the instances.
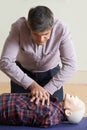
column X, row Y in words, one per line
column 68, row 112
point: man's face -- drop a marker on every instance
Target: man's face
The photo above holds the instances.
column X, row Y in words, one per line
column 40, row 37
column 72, row 102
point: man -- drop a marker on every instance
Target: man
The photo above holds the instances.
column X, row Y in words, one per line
column 17, row 109
column 33, row 52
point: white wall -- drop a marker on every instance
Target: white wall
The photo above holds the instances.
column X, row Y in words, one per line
column 73, row 12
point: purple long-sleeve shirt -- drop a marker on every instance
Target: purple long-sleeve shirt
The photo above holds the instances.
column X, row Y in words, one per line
column 38, row 58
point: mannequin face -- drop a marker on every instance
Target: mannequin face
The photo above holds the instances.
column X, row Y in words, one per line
column 74, row 108
column 72, row 103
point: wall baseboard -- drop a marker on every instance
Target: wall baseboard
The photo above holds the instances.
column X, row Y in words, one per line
column 80, row 77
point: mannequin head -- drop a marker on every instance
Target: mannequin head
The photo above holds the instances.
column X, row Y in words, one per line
column 74, row 108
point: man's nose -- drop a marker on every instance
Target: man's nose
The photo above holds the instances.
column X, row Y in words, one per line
column 42, row 39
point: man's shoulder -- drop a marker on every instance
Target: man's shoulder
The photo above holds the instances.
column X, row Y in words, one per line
column 60, row 24
column 19, row 22
column 60, row 27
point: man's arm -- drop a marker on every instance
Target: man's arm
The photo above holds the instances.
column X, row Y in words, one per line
column 68, row 61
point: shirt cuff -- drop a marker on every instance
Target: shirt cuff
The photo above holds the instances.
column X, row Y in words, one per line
column 50, row 88
column 26, row 81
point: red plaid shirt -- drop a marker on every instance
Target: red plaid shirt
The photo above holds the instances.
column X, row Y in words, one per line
column 16, row 109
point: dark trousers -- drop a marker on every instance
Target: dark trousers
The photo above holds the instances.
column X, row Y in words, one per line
column 42, row 78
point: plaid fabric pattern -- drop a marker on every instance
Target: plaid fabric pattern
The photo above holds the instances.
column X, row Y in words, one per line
column 16, row 109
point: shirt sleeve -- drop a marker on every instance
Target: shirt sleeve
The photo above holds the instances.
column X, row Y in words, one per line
column 68, row 62
column 8, row 58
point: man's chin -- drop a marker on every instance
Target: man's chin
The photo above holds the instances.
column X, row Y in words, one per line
column 41, row 43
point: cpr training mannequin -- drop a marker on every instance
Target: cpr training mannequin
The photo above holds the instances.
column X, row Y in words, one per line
column 17, row 109
column 74, row 108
